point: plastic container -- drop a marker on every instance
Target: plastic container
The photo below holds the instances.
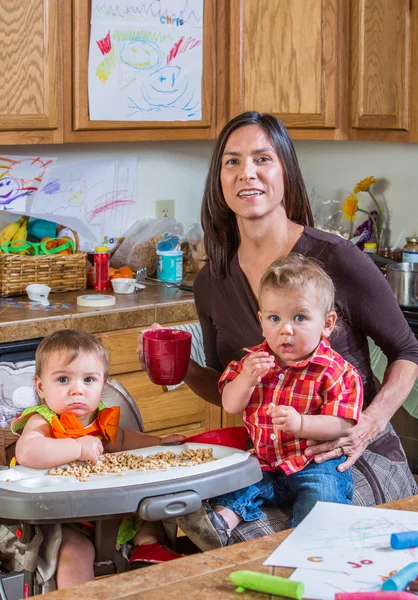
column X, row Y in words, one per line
column 410, row 250
column 170, row 265
column 101, row 268
column 234, row 437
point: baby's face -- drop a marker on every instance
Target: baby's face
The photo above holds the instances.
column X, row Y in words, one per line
column 293, row 323
column 74, row 387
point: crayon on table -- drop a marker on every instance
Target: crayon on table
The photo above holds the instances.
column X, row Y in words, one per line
column 375, row 596
column 400, row 580
column 405, row 539
column 269, row 584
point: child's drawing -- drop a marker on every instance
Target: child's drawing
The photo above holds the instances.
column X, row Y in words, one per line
column 348, row 539
column 20, row 177
column 97, row 198
column 146, row 61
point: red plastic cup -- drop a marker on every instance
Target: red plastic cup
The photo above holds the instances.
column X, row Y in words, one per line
column 167, row 355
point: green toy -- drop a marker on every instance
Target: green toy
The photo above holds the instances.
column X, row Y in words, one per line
column 269, row 584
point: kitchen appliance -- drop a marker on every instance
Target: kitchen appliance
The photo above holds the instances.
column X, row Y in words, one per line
column 403, row 280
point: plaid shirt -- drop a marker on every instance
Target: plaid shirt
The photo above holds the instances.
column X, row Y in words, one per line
column 323, row 384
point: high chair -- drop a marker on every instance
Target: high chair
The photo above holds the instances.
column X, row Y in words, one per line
column 32, row 507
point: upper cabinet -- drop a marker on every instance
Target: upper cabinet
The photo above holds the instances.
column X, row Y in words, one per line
column 31, row 57
column 288, row 58
column 79, row 126
column 383, row 70
column 329, row 69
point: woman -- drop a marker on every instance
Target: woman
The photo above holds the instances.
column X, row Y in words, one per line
column 255, row 209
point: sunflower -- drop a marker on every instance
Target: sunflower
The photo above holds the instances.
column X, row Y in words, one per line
column 364, row 185
column 350, row 207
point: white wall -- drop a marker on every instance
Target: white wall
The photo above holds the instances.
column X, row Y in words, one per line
column 177, row 170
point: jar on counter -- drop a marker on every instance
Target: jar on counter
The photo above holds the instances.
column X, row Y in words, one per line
column 370, row 248
column 101, row 268
column 410, row 250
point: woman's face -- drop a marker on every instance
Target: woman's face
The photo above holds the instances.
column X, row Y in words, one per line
column 251, row 174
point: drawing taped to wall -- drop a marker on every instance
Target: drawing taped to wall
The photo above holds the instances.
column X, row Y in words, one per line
column 21, row 177
column 145, row 60
column 97, row 198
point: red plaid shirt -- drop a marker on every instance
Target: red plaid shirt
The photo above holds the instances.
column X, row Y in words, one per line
column 323, row 384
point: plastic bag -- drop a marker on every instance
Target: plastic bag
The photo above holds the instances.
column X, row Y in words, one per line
column 138, row 249
column 194, row 249
column 327, row 211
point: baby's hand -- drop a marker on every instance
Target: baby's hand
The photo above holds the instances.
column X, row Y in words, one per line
column 91, row 448
column 174, row 437
column 285, row 418
column 255, row 366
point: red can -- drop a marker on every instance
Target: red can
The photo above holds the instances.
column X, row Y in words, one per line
column 101, row 268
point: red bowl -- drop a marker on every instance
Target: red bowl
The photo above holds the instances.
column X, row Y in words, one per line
column 234, row 437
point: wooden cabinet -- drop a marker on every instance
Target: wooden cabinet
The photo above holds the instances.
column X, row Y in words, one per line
column 383, row 70
column 329, row 69
column 288, row 58
column 31, row 57
column 79, row 127
column 163, row 412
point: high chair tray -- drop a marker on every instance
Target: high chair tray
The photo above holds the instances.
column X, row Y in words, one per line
column 33, row 496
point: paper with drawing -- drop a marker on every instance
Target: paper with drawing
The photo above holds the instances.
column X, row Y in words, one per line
column 349, row 539
column 20, row 178
column 146, row 61
column 97, row 198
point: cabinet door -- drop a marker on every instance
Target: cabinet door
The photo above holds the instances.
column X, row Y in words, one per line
column 380, row 52
column 79, row 127
column 287, row 58
column 30, row 102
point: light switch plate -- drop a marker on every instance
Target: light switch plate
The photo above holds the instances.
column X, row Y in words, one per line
column 164, row 208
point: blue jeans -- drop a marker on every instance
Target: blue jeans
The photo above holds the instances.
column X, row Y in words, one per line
column 302, row 489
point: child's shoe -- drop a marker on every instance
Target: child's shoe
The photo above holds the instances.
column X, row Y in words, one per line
column 206, row 528
column 151, row 554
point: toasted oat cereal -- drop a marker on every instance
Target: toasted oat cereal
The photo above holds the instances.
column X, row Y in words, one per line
column 126, row 461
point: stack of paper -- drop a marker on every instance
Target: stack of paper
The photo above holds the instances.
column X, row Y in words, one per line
column 342, row 548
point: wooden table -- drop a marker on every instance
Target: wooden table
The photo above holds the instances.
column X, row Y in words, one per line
column 202, row 576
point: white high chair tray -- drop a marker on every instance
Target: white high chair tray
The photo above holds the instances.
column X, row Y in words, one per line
column 33, row 495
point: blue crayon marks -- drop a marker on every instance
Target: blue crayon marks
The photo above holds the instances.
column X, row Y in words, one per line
column 406, row 539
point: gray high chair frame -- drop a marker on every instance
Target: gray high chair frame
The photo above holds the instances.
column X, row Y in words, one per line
column 156, row 501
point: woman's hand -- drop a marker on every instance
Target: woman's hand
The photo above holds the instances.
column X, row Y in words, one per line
column 352, row 445
column 140, row 347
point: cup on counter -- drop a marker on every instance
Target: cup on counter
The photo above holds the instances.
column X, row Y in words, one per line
column 125, row 285
column 167, row 355
column 38, row 292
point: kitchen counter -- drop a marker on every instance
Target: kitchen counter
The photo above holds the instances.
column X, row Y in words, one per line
column 18, row 321
column 197, row 577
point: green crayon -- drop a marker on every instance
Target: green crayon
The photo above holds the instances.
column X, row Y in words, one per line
column 270, row 584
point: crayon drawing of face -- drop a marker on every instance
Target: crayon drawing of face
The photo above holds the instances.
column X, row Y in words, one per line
column 10, row 189
column 140, row 55
column 164, row 87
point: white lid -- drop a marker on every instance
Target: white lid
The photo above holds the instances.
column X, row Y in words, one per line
column 170, row 252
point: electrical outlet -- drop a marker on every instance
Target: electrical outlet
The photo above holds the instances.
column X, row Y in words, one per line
column 164, row 208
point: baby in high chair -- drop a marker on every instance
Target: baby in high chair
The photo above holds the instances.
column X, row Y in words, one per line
column 71, row 424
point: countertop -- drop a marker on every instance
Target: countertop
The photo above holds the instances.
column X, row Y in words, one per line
column 202, row 576
column 20, row 320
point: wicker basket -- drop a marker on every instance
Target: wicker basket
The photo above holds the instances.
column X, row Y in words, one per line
column 62, row 272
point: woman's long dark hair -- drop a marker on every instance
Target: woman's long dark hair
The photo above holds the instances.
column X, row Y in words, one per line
column 218, row 220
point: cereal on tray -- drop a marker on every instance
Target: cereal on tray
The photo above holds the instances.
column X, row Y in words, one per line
column 120, row 463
